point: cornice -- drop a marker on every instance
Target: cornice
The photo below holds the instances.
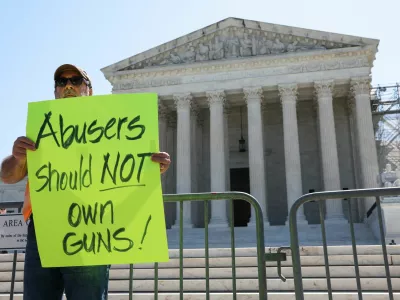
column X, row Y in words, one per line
column 258, row 61
column 243, row 68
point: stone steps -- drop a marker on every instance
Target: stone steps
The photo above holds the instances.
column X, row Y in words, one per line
column 241, row 296
column 252, row 251
column 246, row 262
column 242, row 285
column 241, row 273
column 372, row 273
column 309, row 235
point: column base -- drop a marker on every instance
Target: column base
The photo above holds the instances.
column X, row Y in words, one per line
column 337, row 220
column 253, row 224
column 187, row 225
column 218, row 223
column 301, row 221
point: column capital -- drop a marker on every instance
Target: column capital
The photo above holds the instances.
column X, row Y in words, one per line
column 360, row 85
column 253, row 93
column 214, row 97
column 288, row 92
column 183, row 100
column 324, row 89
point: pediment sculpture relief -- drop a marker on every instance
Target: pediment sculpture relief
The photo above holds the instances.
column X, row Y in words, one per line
column 234, row 43
column 389, row 177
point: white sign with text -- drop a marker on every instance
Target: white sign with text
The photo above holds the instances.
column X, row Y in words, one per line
column 13, row 232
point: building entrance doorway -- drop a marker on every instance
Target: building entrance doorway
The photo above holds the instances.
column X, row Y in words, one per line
column 240, row 182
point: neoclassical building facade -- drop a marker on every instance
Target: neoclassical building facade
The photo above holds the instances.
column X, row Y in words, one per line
column 272, row 110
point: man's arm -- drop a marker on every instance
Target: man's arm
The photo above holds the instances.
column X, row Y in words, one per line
column 12, row 170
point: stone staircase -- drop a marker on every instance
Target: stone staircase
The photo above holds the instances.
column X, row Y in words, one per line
column 343, row 280
column 338, row 234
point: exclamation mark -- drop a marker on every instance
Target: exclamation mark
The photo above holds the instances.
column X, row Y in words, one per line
column 145, row 231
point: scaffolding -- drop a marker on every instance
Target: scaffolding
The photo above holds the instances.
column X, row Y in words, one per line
column 385, row 106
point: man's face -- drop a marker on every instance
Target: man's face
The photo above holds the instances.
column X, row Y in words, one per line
column 70, row 90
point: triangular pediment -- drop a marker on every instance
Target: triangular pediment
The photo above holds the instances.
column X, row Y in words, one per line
column 237, row 39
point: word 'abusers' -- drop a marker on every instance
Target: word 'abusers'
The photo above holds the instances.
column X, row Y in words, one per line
column 89, row 131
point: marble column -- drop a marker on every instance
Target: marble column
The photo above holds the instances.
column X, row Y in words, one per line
column 170, row 175
column 162, row 133
column 294, row 186
column 368, row 157
column 216, row 101
column 226, row 145
column 183, row 156
column 194, row 112
column 329, row 154
column 199, row 154
column 253, row 97
column 171, row 148
column 359, row 211
column 227, row 160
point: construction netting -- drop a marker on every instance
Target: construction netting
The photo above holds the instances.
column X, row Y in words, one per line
column 385, row 105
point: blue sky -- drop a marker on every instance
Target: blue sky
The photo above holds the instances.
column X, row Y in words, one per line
column 37, row 36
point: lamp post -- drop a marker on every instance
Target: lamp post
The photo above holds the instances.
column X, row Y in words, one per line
column 242, row 141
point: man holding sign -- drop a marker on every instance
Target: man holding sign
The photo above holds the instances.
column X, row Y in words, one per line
column 84, row 282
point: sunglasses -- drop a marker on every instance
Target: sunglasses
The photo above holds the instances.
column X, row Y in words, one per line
column 76, row 81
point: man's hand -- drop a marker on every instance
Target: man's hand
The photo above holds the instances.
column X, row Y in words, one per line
column 22, row 144
column 13, row 169
column 163, row 159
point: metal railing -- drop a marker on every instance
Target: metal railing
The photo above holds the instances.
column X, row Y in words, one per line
column 337, row 196
column 232, row 196
column 206, row 198
column 18, row 205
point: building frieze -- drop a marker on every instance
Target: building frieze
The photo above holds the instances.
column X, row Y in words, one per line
column 231, row 43
column 242, row 69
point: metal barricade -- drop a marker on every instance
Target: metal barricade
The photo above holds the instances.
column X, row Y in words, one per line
column 206, row 198
column 7, row 205
column 337, row 196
